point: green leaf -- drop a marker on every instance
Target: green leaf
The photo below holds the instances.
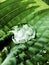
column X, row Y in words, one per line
column 47, row 1
column 19, row 12
column 2, row 1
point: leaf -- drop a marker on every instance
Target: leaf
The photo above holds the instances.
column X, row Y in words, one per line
column 2, row 1
column 47, row 1
column 19, row 12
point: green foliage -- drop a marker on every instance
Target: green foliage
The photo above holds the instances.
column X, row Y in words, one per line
column 47, row 1
column 19, row 12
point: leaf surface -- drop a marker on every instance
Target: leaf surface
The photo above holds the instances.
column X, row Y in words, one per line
column 19, row 12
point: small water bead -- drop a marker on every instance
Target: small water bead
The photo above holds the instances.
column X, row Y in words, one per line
column 23, row 34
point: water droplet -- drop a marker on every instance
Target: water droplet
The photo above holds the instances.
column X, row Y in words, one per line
column 23, row 34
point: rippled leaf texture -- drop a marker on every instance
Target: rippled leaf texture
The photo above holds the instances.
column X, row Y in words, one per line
column 18, row 12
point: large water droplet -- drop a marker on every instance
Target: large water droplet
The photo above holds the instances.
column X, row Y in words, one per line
column 23, row 34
